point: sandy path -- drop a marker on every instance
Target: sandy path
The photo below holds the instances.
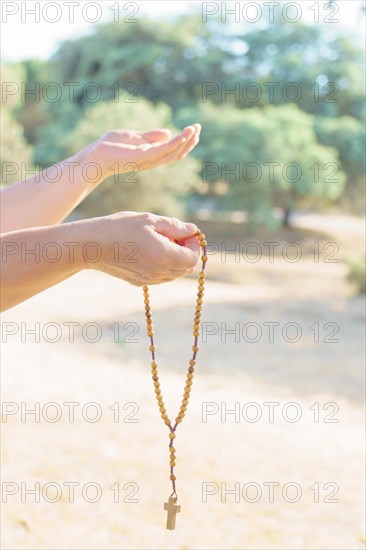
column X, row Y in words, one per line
column 229, row 454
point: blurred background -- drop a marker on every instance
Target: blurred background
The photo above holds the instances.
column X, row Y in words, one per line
column 298, row 101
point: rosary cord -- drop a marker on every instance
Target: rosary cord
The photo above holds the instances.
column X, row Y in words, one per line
column 192, row 362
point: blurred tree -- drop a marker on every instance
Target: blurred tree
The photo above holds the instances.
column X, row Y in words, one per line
column 258, row 159
column 14, row 148
column 347, row 135
column 162, row 190
column 304, row 64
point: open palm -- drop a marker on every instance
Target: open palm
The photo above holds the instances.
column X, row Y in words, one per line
column 145, row 150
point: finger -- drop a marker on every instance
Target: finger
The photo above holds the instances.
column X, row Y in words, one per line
column 167, row 159
column 161, row 135
column 150, row 153
column 192, row 142
column 173, row 228
column 179, row 257
column 191, row 243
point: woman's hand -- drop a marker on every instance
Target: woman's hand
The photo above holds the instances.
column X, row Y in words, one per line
column 138, row 248
column 142, row 248
column 46, row 199
column 144, row 150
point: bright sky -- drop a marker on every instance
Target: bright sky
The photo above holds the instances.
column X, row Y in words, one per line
column 23, row 37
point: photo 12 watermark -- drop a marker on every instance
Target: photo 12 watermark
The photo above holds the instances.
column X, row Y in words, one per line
column 268, row 92
column 69, row 491
column 269, row 492
column 69, row 11
column 271, row 12
column 269, row 411
column 69, row 412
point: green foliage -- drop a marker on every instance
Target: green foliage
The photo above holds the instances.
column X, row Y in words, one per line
column 357, row 275
column 165, row 64
column 266, row 157
column 14, row 148
column 162, row 190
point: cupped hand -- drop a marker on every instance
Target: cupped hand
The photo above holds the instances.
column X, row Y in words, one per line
column 129, row 150
column 143, row 248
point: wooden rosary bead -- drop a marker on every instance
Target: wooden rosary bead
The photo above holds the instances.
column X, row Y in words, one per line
column 192, row 362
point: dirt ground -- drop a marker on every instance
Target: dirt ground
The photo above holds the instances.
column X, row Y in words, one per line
column 283, row 470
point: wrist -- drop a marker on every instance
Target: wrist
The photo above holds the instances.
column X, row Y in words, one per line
column 90, row 250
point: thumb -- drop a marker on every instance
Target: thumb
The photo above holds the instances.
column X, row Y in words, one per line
column 174, row 228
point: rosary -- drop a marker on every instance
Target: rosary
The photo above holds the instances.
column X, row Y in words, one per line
column 171, row 506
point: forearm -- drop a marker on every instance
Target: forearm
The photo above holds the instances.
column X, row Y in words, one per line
column 48, row 197
column 35, row 259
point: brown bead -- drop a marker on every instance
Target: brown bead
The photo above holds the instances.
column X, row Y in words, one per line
column 157, row 384
column 185, row 402
column 186, row 394
column 155, row 378
column 172, row 449
column 192, row 362
column 152, row 348
column 157, row 391
column 189, row 376
column 154, row 364
column 204, row 257
column 198, row 308
column 189, row 383
column 190, row 369
column 172, row 477
column 199, row 301
column 203, row 243
column 196, row 333
column 195, row 348
column 172, row 463
column 172, row 435
column 178, row 419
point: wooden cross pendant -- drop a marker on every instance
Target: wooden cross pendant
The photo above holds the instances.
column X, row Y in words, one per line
column 172, row 510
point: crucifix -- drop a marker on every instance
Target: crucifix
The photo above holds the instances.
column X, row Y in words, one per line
column 172, row 510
